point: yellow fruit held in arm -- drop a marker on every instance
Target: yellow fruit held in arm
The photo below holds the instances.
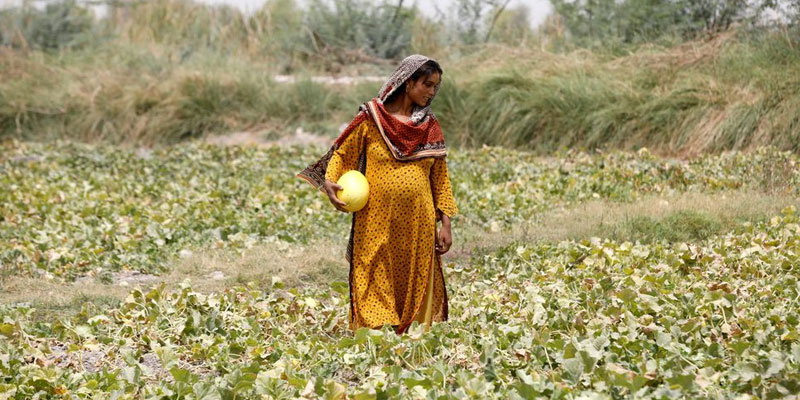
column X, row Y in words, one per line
column 355, row 190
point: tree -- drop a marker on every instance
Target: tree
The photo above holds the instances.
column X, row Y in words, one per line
column 60, row 25
column 472, row 21
column 635, row 21
column 512, row 26
column 380, row 30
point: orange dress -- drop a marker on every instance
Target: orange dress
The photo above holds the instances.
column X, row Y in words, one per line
column 396, row 276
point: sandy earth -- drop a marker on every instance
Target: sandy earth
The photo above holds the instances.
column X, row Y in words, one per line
column 97, row 360
column 250, row 138
column 330, row 80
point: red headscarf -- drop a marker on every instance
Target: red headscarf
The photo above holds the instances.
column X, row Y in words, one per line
column 418, row 138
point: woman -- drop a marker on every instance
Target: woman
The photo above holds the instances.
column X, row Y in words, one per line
column 394, row 250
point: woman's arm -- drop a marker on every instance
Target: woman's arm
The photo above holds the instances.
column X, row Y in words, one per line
column 443, row 199
column 330, row 189
column 445, row 236
column 344, row 159
column 443, row 202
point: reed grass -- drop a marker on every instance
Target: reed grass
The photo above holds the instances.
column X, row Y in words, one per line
column 174, row 70
column 732, row 92
column 130, row 97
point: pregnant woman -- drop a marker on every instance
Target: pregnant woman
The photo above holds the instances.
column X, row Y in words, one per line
column 394, row 249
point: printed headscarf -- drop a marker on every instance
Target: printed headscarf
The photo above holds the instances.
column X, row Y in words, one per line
column 407, row 67
column 419, row 138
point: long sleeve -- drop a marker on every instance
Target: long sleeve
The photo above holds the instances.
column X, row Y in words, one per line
column 345, row 158
column 442, row 192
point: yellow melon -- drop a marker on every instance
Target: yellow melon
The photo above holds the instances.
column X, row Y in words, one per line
column 355, row 190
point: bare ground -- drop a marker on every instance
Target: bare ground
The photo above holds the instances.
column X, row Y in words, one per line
column 300, row 137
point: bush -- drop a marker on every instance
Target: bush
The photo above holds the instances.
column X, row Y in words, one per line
column 382, row 30
column 278, row 27
column 680, row 226
column 182, row 23
column 609, row 23
column 60, row 25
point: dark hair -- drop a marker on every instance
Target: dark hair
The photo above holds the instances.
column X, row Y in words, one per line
column 426, row 70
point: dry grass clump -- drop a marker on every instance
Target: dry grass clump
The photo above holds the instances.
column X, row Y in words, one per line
column 142, row 97
column 211, row 270
column 651, row 218
column 727, row 92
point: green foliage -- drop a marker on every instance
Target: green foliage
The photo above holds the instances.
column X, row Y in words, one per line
column 607, row 23
column 597, row 318
column 72, row 208
column 383, row 30
column 290, row 35
column 469, row 19
column 730, row 93
column 332, row 33
column 170, row 70
column 605, row 20
column 60, row 25
column 147, row 98
column 184, row 23
column 681, row 226
column 673, row 100
column 86, row 208
column 279, row 25
column 512, row 26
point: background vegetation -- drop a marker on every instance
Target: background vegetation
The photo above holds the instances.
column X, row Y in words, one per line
column 703, row 76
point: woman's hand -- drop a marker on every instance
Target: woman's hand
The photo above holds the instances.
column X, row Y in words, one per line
column 330, row 189
column 444, row 239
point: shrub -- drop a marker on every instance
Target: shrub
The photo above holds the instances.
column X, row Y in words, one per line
column 381, row 30
column 60, row 25
column 680, row 226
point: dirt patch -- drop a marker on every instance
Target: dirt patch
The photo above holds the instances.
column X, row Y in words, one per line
column 329, row 80
column 599, row 217
column 300, row 137
column 84, row 360
column 122, row 278
column 95, row 360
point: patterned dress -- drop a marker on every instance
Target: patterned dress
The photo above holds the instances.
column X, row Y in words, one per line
column 396, row 275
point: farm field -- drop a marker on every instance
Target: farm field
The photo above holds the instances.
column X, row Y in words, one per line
column 573, row 276
column 626, row 174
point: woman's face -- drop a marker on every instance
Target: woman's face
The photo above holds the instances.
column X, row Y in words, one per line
column 422, row 90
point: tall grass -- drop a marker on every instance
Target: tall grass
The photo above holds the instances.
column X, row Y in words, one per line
column 167, row 71
column 732, row 92
column 60, row 25
column 123, row 96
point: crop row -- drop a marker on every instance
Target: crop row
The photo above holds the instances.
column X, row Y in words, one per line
column 68, row 208
column 590, row 319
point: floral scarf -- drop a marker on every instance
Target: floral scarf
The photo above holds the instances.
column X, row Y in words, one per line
column 419, row 138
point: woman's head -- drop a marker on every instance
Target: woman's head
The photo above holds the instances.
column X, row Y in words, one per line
column 421, row 86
